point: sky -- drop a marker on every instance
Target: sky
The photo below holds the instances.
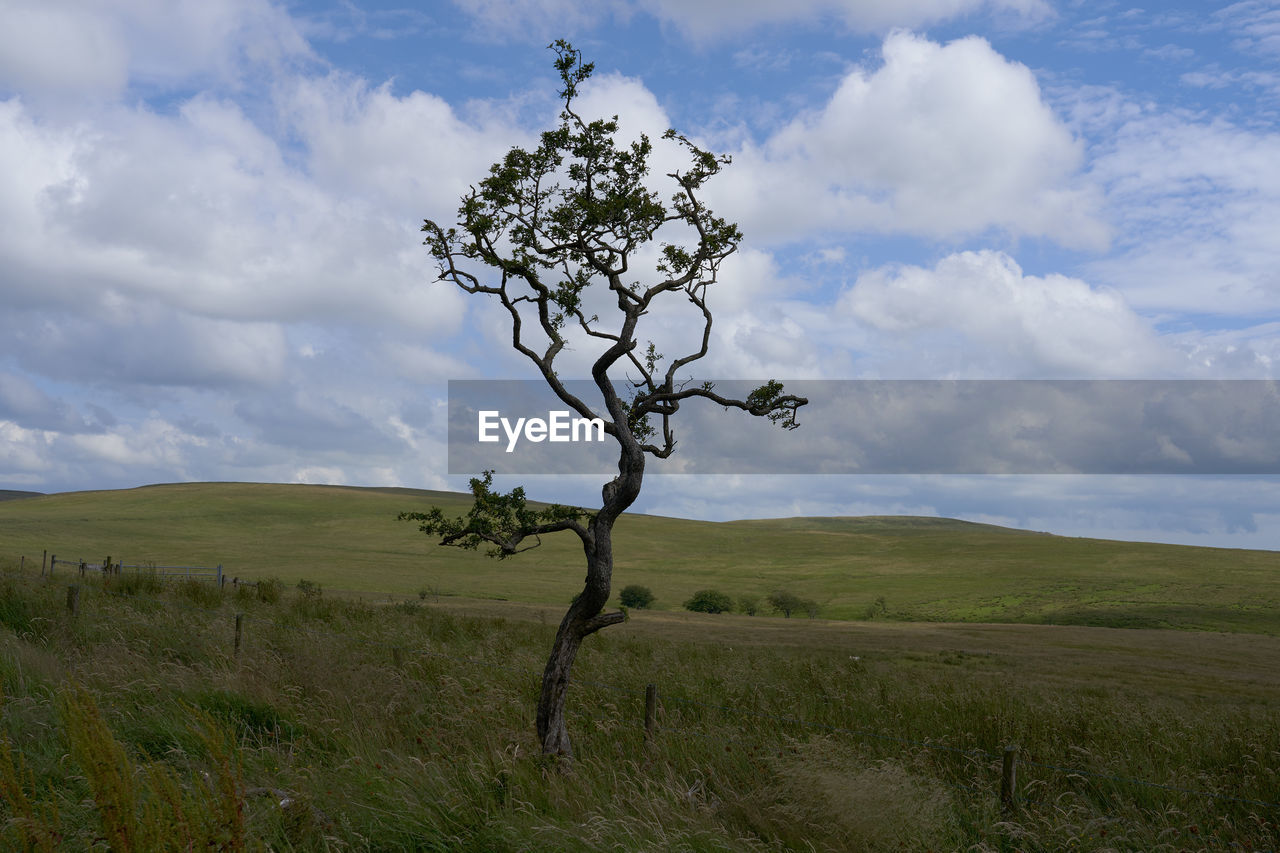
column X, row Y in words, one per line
column 211, row 266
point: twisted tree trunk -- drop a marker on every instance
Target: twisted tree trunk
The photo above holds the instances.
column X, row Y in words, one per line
column 584, row 616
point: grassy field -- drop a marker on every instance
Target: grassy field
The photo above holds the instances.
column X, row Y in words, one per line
column 379, row 719
column 135, row 725
column 921, row 569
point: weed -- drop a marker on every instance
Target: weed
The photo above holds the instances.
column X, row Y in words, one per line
column 199, row 592
column 137, row 583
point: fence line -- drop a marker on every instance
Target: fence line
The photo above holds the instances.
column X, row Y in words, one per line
column 978, row 753
column 108, row 566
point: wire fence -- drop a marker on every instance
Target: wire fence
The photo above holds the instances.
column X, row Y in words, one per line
column 400, row 653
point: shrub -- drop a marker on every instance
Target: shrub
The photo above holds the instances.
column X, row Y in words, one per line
column 309, row 589
column 749, row 604
column 709, row 601
column 636, row 596
column 270, row 590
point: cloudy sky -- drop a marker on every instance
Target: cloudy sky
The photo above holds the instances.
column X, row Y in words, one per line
column 211, row 267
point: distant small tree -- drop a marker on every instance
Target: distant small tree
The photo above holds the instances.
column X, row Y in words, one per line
column 785, row 602
column 636, row 596
column 709, row 601
column 810, row 607
column 749, row 604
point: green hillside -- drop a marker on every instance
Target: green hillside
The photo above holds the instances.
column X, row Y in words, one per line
column 855, row 568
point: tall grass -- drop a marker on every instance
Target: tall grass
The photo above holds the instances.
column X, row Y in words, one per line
column 136, row 725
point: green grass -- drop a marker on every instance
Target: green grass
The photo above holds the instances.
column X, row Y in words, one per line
column 135, row 721
column 924, row 569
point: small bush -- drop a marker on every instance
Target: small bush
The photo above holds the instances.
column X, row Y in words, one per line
column 709, row 601
column 749, row 604
column 309, row 589
column 636, row 596
column 270, row 590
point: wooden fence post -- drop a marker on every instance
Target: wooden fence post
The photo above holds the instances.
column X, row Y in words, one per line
column 73, row 600
column 53, row 561
column 22, row 566
column 650, row 711
column 239, row 631
column 44, row 559
column 1009, row 778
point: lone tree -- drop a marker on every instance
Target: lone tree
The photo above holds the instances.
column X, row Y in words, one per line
column 545, row 229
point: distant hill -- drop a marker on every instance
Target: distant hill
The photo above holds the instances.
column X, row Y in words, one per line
column 13, row 495
column 904, row 568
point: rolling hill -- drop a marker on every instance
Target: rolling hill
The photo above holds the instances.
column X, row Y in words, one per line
column 918, row 569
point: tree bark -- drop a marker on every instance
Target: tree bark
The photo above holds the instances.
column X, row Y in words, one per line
column 584, row 616
column 552, row 731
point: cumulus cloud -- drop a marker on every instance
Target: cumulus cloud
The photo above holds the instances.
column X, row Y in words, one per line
column 977, row 313
column 201, row 211
column 412, row 152
column 79, row 48
column 940, row 141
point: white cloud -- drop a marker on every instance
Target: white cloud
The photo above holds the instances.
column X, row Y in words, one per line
column 79, row 48
column 976, row 314
column 940, row 141
column 46, row 48
column 1195, row 205
column 201, row 211
column 411, row 152
column 1255, row 25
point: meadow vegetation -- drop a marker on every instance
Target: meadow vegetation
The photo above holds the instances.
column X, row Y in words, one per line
column 362, row 725
column 897, row 569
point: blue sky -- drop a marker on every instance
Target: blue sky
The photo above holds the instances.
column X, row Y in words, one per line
column 211, row 267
